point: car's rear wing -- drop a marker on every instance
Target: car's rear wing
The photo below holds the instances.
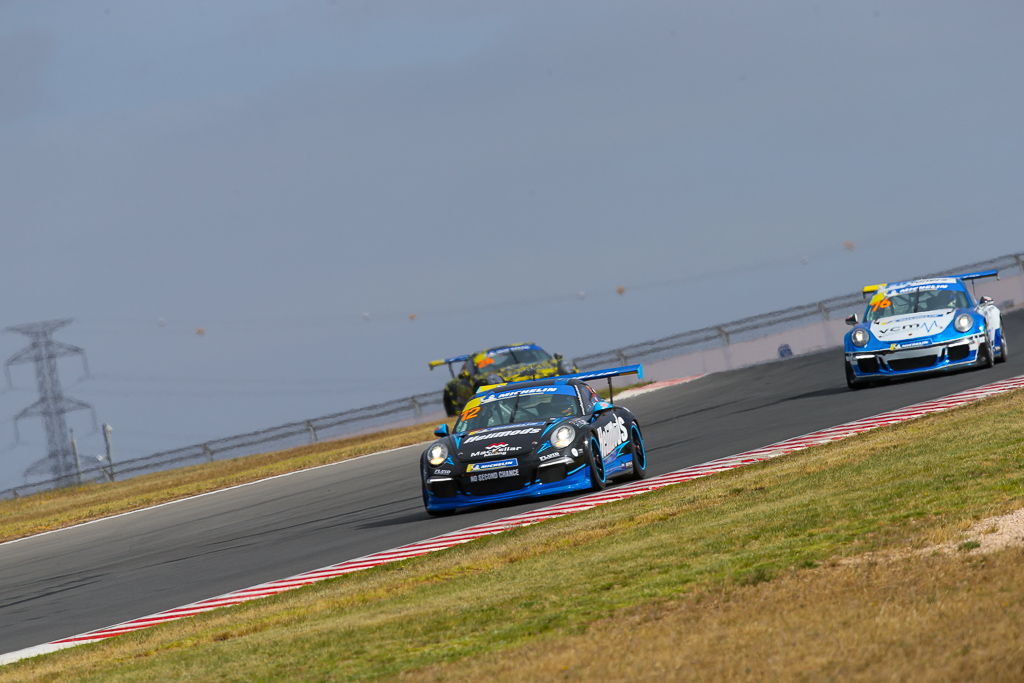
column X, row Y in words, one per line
column 449, row 362
column 971, row 277
column 978, row 275
column 608, row 374
column 869, row 289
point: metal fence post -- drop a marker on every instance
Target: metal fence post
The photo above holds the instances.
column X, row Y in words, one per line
column 208, row 451
column 312, row 431
column 109, row 469
column 78, row 462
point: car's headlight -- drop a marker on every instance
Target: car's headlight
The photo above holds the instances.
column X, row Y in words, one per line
column 860, row 337
column 563, row 436
column 436, row 454
column 963, row 322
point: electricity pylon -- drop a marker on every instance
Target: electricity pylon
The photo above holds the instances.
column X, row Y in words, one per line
column 52, row 405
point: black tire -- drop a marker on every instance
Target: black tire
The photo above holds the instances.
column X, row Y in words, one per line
column 852, row 383
column 1004, row 351
column 636, row 445
column 435, row 513
column 598, row 478
column 985, row 359
column 449, row 406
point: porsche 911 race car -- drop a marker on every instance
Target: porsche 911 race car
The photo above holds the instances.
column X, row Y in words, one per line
column 492, row 366
column 922, row 326
column 532, row 438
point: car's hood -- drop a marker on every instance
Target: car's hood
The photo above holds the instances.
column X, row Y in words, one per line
column 506, row 440
column 899, row 328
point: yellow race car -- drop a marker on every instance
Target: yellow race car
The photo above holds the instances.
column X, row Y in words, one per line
column 494, row 366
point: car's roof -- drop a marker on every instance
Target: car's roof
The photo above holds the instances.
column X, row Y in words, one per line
column 510, row 347
column 531, row 383
column 926, row 283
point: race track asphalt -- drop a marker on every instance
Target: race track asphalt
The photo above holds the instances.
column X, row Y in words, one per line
column 64, row 583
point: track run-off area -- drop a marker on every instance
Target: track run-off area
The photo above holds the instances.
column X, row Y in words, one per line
column 68, row 587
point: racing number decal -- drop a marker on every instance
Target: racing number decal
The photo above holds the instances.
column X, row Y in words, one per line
column 470, row 413
column 879, row 303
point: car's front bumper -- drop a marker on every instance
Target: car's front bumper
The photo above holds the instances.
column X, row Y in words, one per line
column 895, row 362
column 575, row 480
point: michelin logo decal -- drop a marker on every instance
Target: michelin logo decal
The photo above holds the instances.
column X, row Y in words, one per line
column 497, row 465
column 519, row 392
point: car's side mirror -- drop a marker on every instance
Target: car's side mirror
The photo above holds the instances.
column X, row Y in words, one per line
column 600, row 407
column 852, row 320
column 442, row 429
column 986, row 300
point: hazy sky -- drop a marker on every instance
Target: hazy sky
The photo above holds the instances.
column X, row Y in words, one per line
column 272, row 171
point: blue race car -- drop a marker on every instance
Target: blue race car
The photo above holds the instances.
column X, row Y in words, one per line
column 921, row 326
column 532, row 438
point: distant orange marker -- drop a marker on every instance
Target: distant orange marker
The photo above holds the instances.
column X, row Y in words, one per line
column 200, row 331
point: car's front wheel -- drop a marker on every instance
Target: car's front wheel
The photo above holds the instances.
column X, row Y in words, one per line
column 595, row 460
column 449, row 405
column 851, row 381
column 435, row 513
column 985, row 359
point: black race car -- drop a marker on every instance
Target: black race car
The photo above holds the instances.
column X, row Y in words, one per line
column 532, row 438
column 493, row 366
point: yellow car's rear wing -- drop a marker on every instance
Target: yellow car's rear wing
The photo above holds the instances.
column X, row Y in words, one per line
column 449, row 362
column 868, row 289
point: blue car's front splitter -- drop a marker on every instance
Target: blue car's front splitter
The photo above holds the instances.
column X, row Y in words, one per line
column 883, row 368
column 578, row 480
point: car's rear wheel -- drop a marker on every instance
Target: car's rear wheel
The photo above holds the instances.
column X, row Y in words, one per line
column 636, row 445
column 598, row 479
column 1004, row 352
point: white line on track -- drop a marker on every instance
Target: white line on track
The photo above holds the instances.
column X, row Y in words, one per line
column 209, row 493
column 586, row 502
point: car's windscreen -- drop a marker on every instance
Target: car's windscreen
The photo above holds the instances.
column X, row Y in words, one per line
column 516, row 409
column 504, row 359
column 915, row 302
